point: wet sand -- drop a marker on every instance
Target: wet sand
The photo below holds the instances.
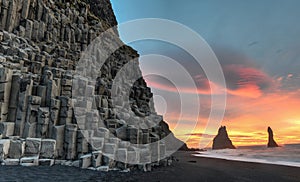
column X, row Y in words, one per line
column 187, row 168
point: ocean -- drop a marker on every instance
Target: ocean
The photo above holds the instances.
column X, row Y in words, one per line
column 288, row 155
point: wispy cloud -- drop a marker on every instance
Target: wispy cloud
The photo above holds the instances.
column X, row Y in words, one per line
column 247, row 81
column 241, row 80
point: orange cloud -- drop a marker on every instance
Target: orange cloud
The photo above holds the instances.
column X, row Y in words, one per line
column 181, row 89
column 252, row 91
column 251, row 117
column 240, row 80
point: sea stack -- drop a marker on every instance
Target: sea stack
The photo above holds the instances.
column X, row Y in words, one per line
column 271, row 142
column 222, row 140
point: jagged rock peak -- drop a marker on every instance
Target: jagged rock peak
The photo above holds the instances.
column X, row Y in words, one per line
column 271, row 142
column 222, row 141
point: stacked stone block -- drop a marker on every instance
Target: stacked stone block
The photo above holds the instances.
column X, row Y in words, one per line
column 5, row 88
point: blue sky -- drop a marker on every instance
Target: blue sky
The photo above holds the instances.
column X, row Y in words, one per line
column 266, row 31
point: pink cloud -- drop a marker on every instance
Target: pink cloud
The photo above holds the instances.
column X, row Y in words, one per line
column 203, row 90
column 241, row 81
column 246, row 81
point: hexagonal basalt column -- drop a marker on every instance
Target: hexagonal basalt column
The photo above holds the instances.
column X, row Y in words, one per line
column 70, row 141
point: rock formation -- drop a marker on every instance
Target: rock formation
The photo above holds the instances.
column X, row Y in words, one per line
column 222, row 141
column 271, row 141
column 43, row 119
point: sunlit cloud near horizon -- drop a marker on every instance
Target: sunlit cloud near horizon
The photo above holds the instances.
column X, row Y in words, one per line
column 257, row 44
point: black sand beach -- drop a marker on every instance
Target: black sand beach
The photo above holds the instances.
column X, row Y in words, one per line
column 187, row 168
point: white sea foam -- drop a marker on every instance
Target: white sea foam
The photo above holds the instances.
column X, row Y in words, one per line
column 287, row 155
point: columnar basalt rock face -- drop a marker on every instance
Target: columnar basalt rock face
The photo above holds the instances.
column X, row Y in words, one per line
column 222, row 141
column 271, row 141
column 41, row 42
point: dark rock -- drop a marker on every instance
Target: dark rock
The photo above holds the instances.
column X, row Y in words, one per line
column 222, row 141
column 103, row 10
column 271, row 142
column 172, row 142
column 40, row 90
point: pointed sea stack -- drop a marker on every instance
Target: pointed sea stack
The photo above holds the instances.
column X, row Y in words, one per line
column 271, row 142
column 222, row 141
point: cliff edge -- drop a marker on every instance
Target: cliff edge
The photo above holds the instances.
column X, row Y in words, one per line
column 49, row 114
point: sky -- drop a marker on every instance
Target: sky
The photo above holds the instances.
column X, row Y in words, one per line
column 257, row 44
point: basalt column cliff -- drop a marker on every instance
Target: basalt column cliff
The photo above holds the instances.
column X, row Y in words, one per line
column 41, row 120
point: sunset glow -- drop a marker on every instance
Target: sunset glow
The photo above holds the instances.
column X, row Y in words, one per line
column 258, row 50
column 249, row 111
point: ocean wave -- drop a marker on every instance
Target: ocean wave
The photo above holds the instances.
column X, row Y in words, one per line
column 287, row 155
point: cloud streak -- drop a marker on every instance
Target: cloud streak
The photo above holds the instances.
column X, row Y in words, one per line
column 247, row 81
column 241, row 81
